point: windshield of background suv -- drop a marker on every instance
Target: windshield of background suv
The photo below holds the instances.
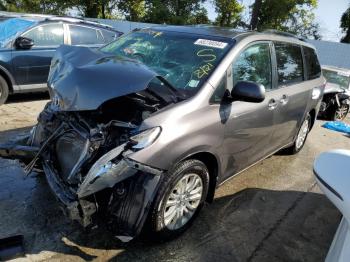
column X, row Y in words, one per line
column 11, row 27
column 184, row 60
column 338, row 78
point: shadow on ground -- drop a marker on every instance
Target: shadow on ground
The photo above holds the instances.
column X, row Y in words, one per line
column 252, row 225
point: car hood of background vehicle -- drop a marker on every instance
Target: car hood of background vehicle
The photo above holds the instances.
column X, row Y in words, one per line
column 333, row 88
column 82, row 78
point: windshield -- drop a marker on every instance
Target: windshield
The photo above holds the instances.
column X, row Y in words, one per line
column 11, row 27
column 184, row 60
column 338, row 78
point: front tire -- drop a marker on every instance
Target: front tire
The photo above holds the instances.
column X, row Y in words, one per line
column 180, row 197
column 4, row 90
column 301, row 136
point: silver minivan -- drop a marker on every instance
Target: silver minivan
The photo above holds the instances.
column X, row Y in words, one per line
column 142, row 131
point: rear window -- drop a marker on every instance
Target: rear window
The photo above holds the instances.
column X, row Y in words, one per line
column 289, row 63
column 108, row 36
column 82, row 35
column 313, row 67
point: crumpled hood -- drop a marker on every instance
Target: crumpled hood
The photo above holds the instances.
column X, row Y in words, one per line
column 82, row 78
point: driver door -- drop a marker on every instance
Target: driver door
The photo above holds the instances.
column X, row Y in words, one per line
column 249, row 126
column 31, row 67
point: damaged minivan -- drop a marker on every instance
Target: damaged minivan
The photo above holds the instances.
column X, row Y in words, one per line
column 139, row 133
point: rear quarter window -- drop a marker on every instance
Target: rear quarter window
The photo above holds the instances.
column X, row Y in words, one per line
column 289, row 63
column 109, row 36
column 84, row 35
column 312, row 64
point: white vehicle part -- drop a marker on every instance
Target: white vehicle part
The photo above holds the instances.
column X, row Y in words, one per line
column 316, row 93
column 340, row 248
column 332, row 172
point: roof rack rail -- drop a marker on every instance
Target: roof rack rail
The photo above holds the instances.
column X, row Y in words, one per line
column 277, row 32
column 77, row 20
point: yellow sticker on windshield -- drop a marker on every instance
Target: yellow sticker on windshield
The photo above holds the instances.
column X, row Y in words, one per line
column 203, row 70
column 207, row 54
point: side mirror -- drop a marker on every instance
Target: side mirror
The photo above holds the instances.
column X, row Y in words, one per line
column 248, row 92
column 23, row 43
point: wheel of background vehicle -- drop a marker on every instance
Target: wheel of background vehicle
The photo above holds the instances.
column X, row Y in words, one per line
column 339, row 114
column 179, row 199
column 301, row 136
column 4, row 90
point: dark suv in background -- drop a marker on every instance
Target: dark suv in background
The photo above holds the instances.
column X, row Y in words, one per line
column 27, row 44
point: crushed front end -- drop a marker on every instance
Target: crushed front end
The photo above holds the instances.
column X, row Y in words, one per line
column 87, row 132
column 84, row 156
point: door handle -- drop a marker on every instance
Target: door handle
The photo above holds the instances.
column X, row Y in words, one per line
column 284, row 100
column 272, row 104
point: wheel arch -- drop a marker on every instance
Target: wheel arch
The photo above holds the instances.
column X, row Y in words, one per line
column 313, row 117
column 211, row 161
column 8, row 78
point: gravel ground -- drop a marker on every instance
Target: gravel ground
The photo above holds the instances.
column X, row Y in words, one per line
column 272, row 212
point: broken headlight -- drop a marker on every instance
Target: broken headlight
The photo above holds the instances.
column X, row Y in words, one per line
column 145, row 138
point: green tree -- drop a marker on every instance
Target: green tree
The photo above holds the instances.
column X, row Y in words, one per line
column 94, row 8
column 134, row 10
column 345, row 26
column 58, row 7
column 199, row 17
column 229, row 12
column 178, row 12
column 295, row 16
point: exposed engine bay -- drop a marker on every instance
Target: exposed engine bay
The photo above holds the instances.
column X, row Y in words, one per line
column 84, row 157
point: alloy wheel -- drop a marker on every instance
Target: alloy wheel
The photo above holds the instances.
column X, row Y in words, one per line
column 341, row 112
column 183, row 201
column 304, row 130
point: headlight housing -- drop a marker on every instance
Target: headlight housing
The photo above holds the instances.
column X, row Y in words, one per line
column 145, row 138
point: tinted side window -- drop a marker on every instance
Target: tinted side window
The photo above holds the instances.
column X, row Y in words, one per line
column 108, row 36
column 254, row 64
column 82, row 35
column 46, row 35
column 289, row 63
column 313, row 67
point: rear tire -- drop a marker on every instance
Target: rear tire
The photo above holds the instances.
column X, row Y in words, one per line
column 193, row 177
column 4, row 90
column 301, row 136
column 339, row 113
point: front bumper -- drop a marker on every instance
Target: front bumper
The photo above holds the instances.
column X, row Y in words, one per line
column 131, row 189
column 126, row 211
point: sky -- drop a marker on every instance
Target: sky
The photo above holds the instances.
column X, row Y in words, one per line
column 328, row 14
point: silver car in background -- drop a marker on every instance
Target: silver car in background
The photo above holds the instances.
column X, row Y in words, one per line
column 142, row 131
column 336, row 96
